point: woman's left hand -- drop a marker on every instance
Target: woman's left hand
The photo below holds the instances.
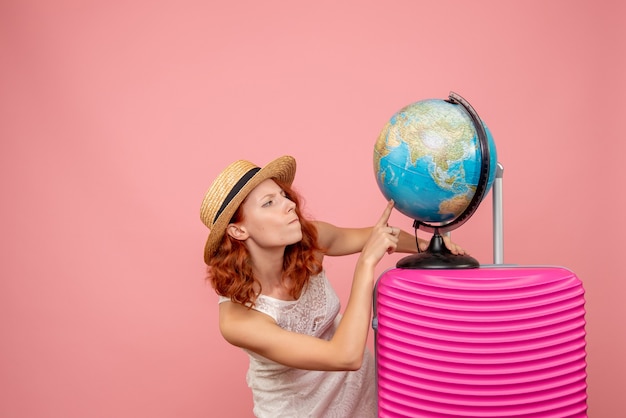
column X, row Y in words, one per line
column 454, row 248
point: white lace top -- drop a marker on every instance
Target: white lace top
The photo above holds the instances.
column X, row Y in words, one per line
column 281, row 391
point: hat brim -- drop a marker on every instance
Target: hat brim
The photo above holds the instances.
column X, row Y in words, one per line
column 282, row 169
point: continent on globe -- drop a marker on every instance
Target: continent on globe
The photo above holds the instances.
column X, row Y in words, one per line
column 454, row 206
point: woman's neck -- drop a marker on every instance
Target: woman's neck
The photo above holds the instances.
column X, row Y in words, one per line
column 269, row 272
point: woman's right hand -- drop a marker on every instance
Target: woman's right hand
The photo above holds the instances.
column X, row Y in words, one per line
column 383, row 239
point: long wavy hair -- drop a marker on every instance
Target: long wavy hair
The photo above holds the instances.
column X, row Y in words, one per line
column 230, row 270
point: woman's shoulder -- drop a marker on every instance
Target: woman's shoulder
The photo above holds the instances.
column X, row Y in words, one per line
column 235, row 314
column 244, row 327
column 324, row 229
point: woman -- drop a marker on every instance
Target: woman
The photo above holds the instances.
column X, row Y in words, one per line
column 265, row 261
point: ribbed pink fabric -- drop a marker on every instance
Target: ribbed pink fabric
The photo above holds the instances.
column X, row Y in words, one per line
column 487, row 342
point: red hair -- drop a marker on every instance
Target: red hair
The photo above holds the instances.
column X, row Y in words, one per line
column 230, row 271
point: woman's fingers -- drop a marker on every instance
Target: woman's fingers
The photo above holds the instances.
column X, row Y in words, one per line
column 384, row 218
column 454, row 248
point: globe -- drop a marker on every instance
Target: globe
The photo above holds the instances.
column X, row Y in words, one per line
column 437, row 160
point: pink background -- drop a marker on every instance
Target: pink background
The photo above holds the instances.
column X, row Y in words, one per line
column 116, row 115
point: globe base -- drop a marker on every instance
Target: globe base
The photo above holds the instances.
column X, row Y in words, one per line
column 437, row 256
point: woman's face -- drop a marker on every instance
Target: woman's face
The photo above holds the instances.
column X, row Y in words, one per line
column 269, row 217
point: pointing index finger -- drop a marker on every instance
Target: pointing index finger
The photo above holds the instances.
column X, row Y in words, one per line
column 386, row 214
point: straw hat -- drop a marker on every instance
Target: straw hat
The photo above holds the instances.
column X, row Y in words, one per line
column 231, row 187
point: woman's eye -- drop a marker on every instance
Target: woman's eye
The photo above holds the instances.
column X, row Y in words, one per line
column 268, row 203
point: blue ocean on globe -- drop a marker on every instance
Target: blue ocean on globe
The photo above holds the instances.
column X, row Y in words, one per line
column 428, row 160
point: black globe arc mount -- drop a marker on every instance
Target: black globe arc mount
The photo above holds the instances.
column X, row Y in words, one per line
column 437, row 255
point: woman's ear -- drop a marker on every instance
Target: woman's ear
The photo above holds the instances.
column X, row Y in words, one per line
column 237, row 232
